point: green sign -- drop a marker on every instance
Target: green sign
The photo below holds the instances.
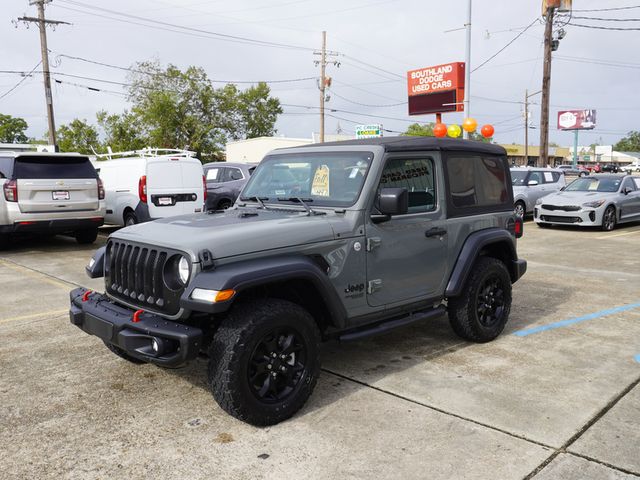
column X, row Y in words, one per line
column 368, row 131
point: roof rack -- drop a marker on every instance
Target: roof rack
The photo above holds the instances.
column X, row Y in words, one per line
column 148, row 152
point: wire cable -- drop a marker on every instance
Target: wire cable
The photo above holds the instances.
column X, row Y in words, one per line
column 608, row 9
column 26, row 75
column 505, row 47
column 597, row 27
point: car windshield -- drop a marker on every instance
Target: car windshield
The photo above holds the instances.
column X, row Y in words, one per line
column 594, row 185
column 518, row 177
column 326, row 179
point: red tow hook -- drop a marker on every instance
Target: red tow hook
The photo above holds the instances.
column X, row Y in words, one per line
column 85, row 297
column 136, row 316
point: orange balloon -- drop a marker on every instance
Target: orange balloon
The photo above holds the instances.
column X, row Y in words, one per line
column 487, row 131
column 440, row 130
column 469, row 125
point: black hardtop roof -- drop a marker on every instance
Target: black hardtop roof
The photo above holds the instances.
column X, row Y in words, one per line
column 408, row 144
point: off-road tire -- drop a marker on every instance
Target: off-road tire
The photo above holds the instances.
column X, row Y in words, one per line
column 463, row 310
column 609, row 219
column 130, row 218
column 234, row 346
column 86, row 237
column 122, row 354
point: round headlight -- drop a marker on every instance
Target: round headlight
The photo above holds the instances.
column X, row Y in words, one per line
column 183, row 270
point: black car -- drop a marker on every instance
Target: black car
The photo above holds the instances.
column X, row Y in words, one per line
column 611, row 168
column 224, row 182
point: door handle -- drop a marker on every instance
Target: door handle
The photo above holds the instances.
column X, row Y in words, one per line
column 435, row 232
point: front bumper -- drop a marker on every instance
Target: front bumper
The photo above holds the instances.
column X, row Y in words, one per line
column 97, row 315
column 585, row 217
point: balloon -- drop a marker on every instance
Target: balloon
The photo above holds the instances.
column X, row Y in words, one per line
column 454, row 131
column 487, row 131
column 439, row 130
column 469, row 125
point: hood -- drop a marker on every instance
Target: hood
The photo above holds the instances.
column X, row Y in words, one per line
column 575, row 198
column 233, row 232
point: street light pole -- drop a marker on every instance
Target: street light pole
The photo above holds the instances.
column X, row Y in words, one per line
column 467, row 71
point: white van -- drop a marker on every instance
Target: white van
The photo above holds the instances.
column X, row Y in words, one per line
column 151, row 183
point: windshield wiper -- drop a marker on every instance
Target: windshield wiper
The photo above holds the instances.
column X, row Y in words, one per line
column 302, row 201
column 256, row 199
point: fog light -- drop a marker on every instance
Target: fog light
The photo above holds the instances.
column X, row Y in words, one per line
column 155, row 345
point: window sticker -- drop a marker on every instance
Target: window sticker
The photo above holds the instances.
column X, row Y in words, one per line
column 212, row 174
column 593, row 186
column 548, row 176
column 320, row 186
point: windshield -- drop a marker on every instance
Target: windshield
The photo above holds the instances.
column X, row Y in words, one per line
column 594, row 185
column 326, row 179
column 518, row 177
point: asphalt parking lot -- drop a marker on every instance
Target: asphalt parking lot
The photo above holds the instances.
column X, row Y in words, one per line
column 556, row 396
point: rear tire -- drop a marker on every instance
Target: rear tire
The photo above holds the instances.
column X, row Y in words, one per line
column 520, row 209
column 85, row 237
column 224, row 205
column 264, row 361
column 122, row 354
column 130, row 218
column 481, row 311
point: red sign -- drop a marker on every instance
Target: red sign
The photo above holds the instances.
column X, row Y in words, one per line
column 436, row 89
column 576, row 120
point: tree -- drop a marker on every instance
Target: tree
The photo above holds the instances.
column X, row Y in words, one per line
column 182, row 109
column 78, row 136
column 122, row 132
column 630, row 143
column 417, row 130
column 12, row 129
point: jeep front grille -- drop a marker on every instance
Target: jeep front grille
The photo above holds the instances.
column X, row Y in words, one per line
column 134, row 274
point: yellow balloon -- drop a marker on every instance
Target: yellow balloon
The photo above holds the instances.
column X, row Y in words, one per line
column 454, row 131
column 469, row 125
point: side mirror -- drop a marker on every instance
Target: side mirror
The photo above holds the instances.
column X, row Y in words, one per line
column 95, row 269
column 531, row 183
column 563, row 188
column 393, row 201
column 626, row 190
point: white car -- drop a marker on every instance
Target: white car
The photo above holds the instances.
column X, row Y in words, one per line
column 152, row 183
column 529, row 184
column 601, row 200
column 631, row 168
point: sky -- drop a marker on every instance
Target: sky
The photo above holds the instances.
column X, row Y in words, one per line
column 375, row 41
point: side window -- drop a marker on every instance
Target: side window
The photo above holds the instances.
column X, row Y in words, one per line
column 551, row 177
column 417, row 176
column 637, row 180
column 213, row 175
column 537, row 176
column 6, row 167
column 629, row 183
column 476, row 182
column 232, row 174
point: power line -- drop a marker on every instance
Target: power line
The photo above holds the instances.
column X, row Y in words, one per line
column 366, row 104
column 608, row 9
column 505, row 47
column 600, row 19
column 604, row 28
column 25, row 76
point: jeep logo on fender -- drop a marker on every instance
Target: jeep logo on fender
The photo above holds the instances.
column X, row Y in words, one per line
column 354, row 291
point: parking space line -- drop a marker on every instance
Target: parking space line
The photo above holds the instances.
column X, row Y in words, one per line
column 622, row 234
column 51, row 313
column 32, row 272
column 572, row 321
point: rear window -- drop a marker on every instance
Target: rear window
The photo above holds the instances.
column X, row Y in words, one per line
column 477, row 184
column 53, row 167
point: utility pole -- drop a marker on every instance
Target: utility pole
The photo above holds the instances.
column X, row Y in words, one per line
column 467, row 70
column 324, row 80
column 526, row 123
column 543, row 159
column 42, row 26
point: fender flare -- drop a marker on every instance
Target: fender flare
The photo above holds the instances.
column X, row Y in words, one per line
column 247, row 274
column 471, row 249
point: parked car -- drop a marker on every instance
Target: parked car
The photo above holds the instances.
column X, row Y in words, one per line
column 374, row 234
column 147, row 184
column 224, row 182
column 631, row 167
column 50, row 193
column 610, row 168
column 578, row 170
column 602, row 200
column 530, row 184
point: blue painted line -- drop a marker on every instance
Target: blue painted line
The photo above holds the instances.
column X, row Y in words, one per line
column 572, row 321
column 637, row 358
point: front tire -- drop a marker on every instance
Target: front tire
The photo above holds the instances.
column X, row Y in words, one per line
column 609, row 219
column 86, row 237
column 481, row 311
column 264, row 361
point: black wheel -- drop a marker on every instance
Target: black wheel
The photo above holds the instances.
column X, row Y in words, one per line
column 85, row 237
column 264, row 361
column 609, row 219
column 122, row 354
column 520, row 209
column 481, row 311
column 224, row 204
column 130, row 218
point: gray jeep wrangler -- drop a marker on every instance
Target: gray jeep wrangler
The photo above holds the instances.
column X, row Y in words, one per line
column 333, row 241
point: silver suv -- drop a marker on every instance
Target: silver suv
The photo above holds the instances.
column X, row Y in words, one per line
column 50, row 193
column 530, row 184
